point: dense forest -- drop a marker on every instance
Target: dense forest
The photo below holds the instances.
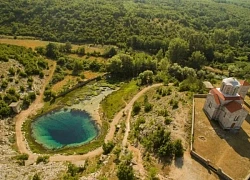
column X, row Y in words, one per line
column 219, row 26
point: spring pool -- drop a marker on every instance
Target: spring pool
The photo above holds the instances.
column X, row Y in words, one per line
column 65, row 127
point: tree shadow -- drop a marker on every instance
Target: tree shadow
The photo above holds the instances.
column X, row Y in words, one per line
column 238, row 140
column 178, row 162
column 166, row 161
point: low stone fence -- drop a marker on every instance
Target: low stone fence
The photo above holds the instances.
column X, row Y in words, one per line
column 198, row 157
column 248, row 177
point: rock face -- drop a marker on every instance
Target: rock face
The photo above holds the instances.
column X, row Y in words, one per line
column 10, row 169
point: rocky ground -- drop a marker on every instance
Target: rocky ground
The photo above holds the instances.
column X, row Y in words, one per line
column 10, row 169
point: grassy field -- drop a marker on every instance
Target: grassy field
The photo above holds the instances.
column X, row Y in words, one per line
column 227, row 150
column 32, row 43
column 90, row 58
column 116, row 101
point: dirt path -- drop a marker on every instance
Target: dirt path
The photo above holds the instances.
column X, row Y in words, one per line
column 110, row 134
column 21, row 117
column 137, row 156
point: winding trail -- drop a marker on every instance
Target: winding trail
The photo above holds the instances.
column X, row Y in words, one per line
column 23, row 115
column 38, row 104
column 110, row 134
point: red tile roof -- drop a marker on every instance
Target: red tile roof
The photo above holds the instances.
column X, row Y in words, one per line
column 216, row 98
column 224, row 98
column 244, row 83
column 233, row 106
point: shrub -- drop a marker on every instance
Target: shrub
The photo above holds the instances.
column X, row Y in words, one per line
column 12, row 71
column 32, row 95
column 125, row 172
column 173, row 103
column 136, row 108
column 167, row 149
column 178, row 148
column 22, row 157
column 22, row 74
column 4, row 84
column 148, row 107
column 168, row 120
column 44, row 159
column 36, row 177
column 107, row 147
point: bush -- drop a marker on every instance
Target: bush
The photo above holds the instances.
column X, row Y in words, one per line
column 73, row 170
column 168, row 120
column 32, row 95
column 36, row 177
column 44, row 159
column 178, row 148
column 148, row 107
column 12, row 71
column 22, row 157
column 174, row 103
column 107, row 147
column 4, row 84
column 125, row 172
column 136, row 108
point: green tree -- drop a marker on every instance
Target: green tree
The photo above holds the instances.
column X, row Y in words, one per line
column 146, row 77
column 81, row 50
column 220, row 36
column 197, row 60
column 178, row 50
column 107, row 147
column 197, row 42
column 110, row 52
column 78, row 67
column 233, row 37
column 68, row 47
column 52, row 51
column 178, row 148
column 125, row 172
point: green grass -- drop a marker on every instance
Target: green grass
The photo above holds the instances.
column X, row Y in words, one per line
column 127, row 91
column 114, row 102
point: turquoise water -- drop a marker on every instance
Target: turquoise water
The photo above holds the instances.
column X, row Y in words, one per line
column 64, row 128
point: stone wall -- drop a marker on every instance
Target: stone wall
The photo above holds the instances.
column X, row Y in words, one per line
column 198, row 157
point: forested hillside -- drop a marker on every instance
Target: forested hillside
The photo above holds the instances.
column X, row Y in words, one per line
column 141, row 24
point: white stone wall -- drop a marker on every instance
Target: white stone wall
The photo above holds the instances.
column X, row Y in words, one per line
column 227, row 118
column 210, row 110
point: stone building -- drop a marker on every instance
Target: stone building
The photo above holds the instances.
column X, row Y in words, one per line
column 16, row 106
column 225, row 104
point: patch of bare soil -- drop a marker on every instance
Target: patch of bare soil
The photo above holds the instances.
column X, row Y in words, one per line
column 225, row 149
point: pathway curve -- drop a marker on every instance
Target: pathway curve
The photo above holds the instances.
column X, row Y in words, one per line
column 23, row 115
column 38, row 103
column 110, row 134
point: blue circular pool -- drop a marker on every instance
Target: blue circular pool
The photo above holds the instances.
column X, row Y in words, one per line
column 62, row 128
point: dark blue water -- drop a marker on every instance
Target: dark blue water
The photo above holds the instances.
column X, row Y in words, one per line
column 64, row 128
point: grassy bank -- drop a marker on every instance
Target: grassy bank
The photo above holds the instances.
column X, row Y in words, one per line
column 110, row 105
column 116, row 101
